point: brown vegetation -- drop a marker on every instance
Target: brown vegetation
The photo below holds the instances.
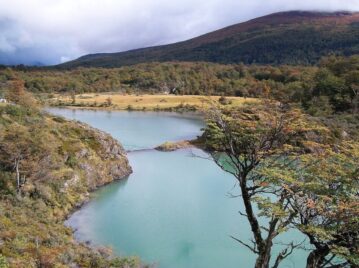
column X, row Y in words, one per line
column 48, row 166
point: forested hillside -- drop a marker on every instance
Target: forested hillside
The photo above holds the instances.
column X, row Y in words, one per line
column 295, row 37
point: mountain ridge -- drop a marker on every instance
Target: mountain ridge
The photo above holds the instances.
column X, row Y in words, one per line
column 248, row 42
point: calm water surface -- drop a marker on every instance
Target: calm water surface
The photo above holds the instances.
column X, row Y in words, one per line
column 175, row 209
column 139, row 130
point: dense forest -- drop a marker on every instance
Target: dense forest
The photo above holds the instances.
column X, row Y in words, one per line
column 333, row 83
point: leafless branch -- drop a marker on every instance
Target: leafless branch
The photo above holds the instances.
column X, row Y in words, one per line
column 253, row 249
column 285, row 253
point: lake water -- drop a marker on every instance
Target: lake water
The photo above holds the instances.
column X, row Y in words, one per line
column 175, row 209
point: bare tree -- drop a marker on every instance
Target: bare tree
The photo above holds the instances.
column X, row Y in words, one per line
column 15, row 150
column 355, row 98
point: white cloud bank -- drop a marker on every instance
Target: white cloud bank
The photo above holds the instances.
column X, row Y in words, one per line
column 51, row 31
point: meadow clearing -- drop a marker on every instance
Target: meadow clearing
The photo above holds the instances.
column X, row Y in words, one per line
column 117, row 101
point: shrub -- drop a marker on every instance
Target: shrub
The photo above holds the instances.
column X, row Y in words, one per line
column 224, row 101
column 3, row 262
column 71, row 161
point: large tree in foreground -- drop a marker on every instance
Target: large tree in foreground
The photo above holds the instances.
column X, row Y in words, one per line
column 290, row 169
column 246, row 142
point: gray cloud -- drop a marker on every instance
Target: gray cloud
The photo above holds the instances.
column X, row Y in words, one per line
column 49, row 31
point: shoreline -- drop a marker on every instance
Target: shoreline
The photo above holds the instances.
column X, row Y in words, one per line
column 192, row 110
column 146, row 102
column 90, row 243
column 175, row 145
column 197, row 112
column 79, row 206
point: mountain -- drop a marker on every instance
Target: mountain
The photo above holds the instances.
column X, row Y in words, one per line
column 295, row 37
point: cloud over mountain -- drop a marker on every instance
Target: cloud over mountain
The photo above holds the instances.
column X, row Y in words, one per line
column 49, row 32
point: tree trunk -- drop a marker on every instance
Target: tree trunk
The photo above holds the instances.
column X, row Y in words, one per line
column 263, row 260
column 264, row 250
column 264, row 257
column 17, row 175
column 317, row 257
column 251, row 217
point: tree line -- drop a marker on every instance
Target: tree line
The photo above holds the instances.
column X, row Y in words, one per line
column 333, row 83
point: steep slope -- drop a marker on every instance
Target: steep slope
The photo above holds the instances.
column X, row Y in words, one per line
column 58, row 162
column 295, row 37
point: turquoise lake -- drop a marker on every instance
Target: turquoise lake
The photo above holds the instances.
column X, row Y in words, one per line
column 175, row 210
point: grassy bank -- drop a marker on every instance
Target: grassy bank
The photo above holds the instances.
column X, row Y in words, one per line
column 146, row 102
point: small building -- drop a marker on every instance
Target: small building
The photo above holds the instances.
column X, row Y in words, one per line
column 3, row 100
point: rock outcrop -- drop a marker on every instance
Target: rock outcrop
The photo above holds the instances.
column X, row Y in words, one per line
column 106, row 162
column 61, row 163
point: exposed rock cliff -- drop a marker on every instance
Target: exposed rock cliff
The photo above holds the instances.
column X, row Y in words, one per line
column 104, row 160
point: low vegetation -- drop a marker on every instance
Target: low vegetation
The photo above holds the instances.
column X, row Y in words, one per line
column 48, row 166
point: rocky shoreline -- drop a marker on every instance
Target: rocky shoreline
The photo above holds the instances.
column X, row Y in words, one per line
column 63, row 161
column 115, row 164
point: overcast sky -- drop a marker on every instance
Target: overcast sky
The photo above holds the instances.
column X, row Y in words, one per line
column 54, row 31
